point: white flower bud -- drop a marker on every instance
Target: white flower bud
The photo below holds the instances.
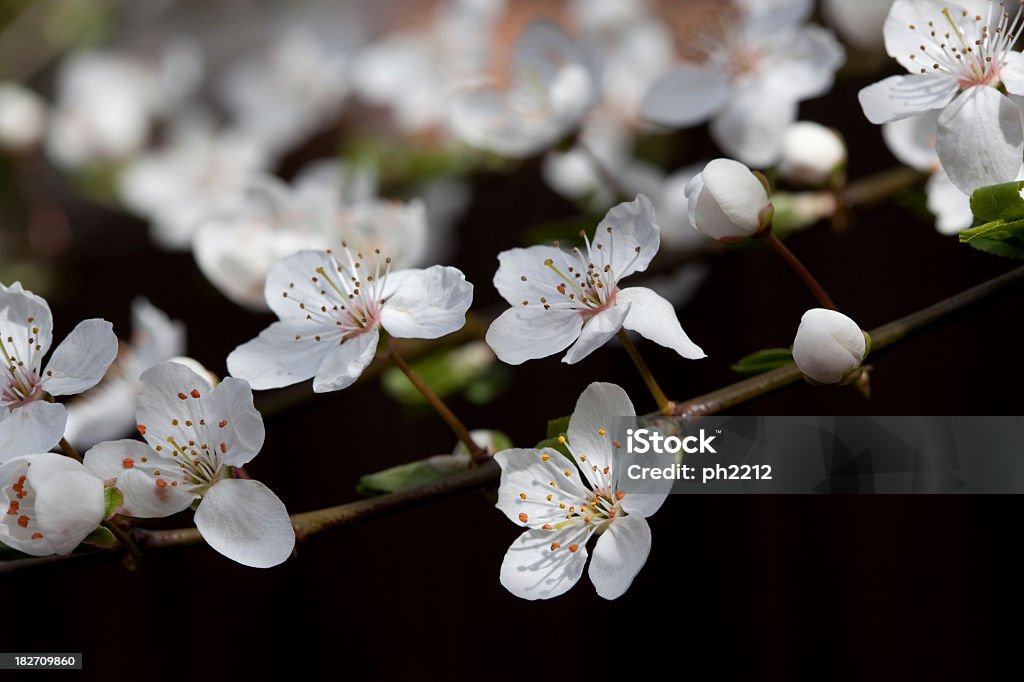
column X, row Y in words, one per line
column 728, row 202
column 811, row 154
column 829, row 347
column 22, row 117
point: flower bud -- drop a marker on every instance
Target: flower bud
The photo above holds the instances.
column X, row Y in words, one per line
column 829, row 347
column 728, row 201
column 812, row 155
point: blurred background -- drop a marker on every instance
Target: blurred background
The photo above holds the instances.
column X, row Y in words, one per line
column 147, row 121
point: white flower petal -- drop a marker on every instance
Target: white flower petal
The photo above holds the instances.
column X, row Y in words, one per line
column 655, row 319
column 634, row 238
column 750, row 128
column 912, row 140
column 24, row 316
column 290, row 280
column 526, row 478
column 132, row 464
column 686, row 96
column 35, row 427
column 901, row 40
column 345, row 363
column 232, row 401
column 597, row 331
column 766, row 18
column 68, row 507
column 951, row 207
column 526, row 333
column 806, row 67
column 81, row 360
column 1012, row 73
column 897, row 97
column 515, row 264
column 536, row 568
column 602, row 415
column 284, row 353
column 246, row 522
column 980, row 140
column 425, row 304
column 620, row 553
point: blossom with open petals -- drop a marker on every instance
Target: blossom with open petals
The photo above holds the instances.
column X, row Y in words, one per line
column 194, row 433
column 29, row 423
column 564, row 503
column 961, row 61
column 561, row 299
column 331, row 308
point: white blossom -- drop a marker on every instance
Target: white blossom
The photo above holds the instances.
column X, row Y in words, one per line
column 757, row 67
column 812, row 154
column 194, row 433
column 960, row 58
column 563, row 503
column 561, row 299
column 726, row 201
column 22, row 117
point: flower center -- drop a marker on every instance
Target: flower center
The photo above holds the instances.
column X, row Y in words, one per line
column 970, row 48
column 586, row 280
column 21, row 382
column 350, row 296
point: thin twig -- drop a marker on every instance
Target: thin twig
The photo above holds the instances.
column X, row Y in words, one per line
column 797, row 266
column 665, row 406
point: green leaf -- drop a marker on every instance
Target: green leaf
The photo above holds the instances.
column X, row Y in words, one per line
column 999, row 237
column 763, row 361
column 112, row 501
column 101, row 537
column 558, row 427
column 412, row 474
column 998, row 202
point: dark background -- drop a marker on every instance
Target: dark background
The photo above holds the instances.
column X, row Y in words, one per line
column 838, row 586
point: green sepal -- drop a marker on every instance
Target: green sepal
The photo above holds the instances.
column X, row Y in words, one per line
column 112, row 501
column 101, row 537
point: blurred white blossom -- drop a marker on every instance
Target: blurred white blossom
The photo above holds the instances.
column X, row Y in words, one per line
column 756, row 68
column 23, row 116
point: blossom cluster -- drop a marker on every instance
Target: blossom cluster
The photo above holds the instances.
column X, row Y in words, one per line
column 204, row 156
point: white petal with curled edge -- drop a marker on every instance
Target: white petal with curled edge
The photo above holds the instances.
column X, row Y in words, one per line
column 980, row 140
column 535, row 567
column 620, row 553
column 602, row 415
column 898, row 97
column 284, row 353
column 81, row 359
column 634, row 238
column 644, row 495
column 526, row 478
column 246, row 522
column 29, row 312
column 134, row 466
column 528, row 263
column 425, row 304
column 750, row 128
column 31, row 428
column 597, row 331
column 68, row 506
column 655, row 319
column 244, row 432
column 526, row 333
column 686, row 96
column 345, row 363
